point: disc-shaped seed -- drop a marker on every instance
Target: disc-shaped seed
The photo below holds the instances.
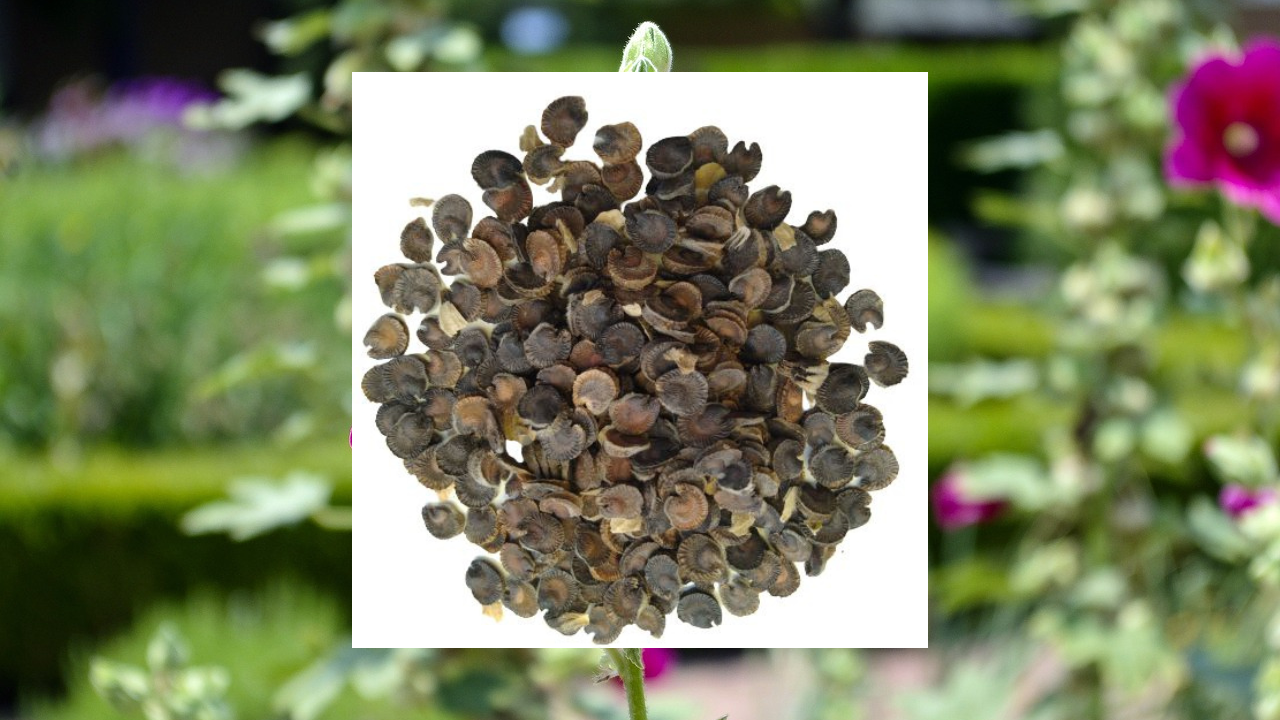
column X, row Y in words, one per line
column 451, row 218
column 387, row 337
column 669, row 157
column 739, row 598
column 617, row 144
column 865, row 308
column 416, row 241
column 651, row 231
column 484, row 579
column 821, row 226
column 443, row 520
column 496, row 169
column 876, row 469
column 699, row 609
column 557, row 591
column 563, row 119
column 843, row 388
column 701, row 559
column 683, row 393
column 621, row 502
column 886, row 363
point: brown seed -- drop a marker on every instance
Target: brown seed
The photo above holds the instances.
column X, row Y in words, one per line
column 865, row 308
column 699, row 609
column 442, row 520
column 484, row 579
column 451, row 217
column 701, row 559
column 669, row 157
column 416, row 241
column 387, row 337
column 618, row 143
column 886, row 363
column 687, row 507
column 650, row 361
column 563, row 119
column 621, row 502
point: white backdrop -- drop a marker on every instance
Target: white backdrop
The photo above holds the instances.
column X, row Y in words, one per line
column 852, row 142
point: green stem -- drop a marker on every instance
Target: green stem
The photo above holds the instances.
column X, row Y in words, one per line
column 630, row 668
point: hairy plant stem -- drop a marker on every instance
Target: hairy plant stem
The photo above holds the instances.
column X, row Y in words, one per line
column 630, row 666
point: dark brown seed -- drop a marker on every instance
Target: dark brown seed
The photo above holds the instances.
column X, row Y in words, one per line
column 699, row 609
column 651, row 231
column 821, row 226
column 843, row 388
column 669, row 156
column 767, row 208
column 886, row 363
column 484, row 579
column 416, row 241
column 616, row 144
column 443, row 520
column 496, row 169
column 865, row 308
column 451, row 217
column 563, row 119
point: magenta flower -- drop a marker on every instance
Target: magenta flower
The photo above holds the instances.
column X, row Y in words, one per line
column 1238, row 500
column 656, row 663
column 1227, row 115
column 953, row 509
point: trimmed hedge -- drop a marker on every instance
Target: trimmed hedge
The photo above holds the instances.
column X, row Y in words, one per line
column 88, row 549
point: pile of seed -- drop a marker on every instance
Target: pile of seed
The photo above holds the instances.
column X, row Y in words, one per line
column 651, row 359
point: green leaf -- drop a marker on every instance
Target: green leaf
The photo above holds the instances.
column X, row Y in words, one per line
column 306, row 695
column 648, row 50
column 258, row 505
column 126, row 687
column 1215, row 532
column 251, row 97
column 1247, row 460
column 166, row 651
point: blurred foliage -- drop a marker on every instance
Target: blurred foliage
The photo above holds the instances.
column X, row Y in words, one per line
column 266, row 636
column 137, row 261
column 116, row 483
column 1113, row 556
column 81, row 565
column 257, row 653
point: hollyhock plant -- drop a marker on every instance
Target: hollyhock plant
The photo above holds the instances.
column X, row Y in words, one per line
column 1238, row 500
column 954, row 508
column 1227, row 117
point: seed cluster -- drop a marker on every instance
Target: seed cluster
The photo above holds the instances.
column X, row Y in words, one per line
column 652, row 359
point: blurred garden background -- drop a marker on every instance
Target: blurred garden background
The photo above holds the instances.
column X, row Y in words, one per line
column 174, row 240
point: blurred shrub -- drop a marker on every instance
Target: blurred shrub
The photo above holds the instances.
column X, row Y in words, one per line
column 85, row 551
column 266, row 636
column 124, row 285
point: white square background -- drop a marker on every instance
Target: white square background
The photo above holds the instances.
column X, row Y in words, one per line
column 852, row 142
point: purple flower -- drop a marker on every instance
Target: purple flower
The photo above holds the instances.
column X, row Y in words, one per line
column 953, row 509
column 81, row 118
column 1238, row 500
column 1227, row 115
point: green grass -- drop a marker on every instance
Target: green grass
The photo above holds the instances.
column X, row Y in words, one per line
column 126, row 283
